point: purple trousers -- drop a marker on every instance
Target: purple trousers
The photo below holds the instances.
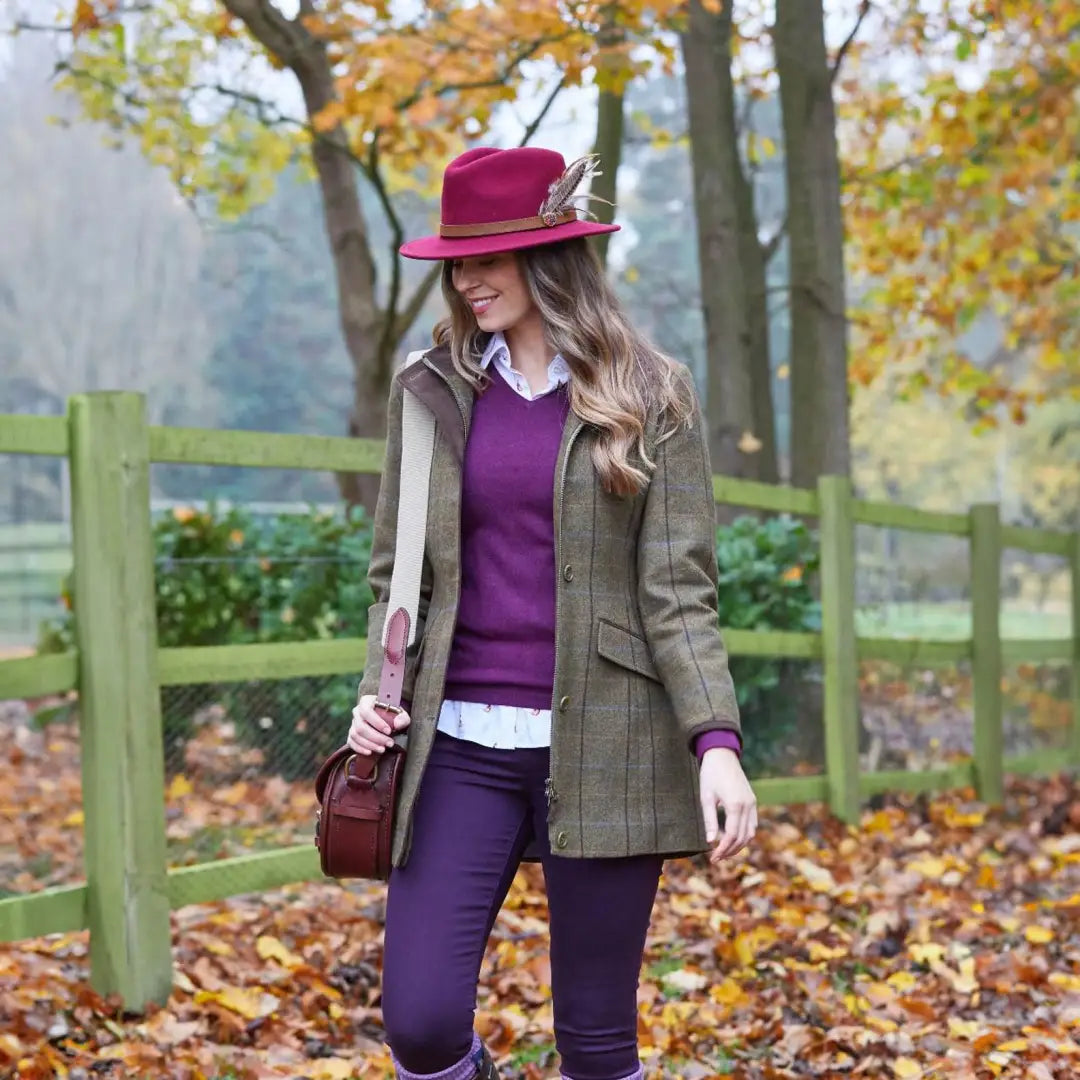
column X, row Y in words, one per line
column 477, row 811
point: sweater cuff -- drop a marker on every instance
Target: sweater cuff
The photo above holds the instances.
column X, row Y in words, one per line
column 712, row 740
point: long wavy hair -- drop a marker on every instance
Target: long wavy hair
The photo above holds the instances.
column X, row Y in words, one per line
column 620, row 383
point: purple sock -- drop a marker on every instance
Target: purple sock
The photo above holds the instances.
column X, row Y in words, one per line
column 465, row 1069
column 638, row 1074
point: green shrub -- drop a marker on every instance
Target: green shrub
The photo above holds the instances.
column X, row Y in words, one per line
column 224, row 578
column 767, row 571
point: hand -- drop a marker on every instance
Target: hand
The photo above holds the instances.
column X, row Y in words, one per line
column 724, row 784
column 370, row 733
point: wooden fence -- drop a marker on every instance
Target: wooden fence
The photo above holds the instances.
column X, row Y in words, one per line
column 119, row 670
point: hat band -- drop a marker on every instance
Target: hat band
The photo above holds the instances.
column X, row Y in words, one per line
column 500, row 228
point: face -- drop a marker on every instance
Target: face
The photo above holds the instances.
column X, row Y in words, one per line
column 494, row 288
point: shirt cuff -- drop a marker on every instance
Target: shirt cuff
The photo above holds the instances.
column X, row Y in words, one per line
column 712, row 740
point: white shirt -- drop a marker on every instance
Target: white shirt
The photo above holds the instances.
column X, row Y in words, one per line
column 504, row 727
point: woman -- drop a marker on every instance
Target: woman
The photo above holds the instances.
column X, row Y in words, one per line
column 570, row 695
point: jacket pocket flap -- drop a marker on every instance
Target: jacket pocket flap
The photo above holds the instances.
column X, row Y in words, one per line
column 626, row 649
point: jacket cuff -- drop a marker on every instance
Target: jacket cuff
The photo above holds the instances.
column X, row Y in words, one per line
column 712, row 740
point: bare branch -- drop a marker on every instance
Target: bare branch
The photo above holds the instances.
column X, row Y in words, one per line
column 770, row 247
column 527, row 52
column 109, row 17
column 864, row 10
column 532, row 128
column 412, row 309
column 373, row 172
column 287, row 39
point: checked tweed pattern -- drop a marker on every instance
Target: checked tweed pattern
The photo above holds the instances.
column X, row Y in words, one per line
column 641, row 667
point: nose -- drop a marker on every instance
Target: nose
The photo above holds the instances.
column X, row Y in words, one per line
column 464, row 276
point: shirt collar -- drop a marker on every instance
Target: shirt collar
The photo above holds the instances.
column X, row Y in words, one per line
column 497, row 349
column 496, row 345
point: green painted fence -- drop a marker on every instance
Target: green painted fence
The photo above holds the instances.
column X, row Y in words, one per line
column 119, row 670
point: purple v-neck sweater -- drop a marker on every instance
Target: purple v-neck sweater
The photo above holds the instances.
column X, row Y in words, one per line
column 504, row 647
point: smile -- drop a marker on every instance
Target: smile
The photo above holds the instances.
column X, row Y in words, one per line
column 481, row 304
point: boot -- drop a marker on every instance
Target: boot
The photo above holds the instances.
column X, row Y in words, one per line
column 485, row 1067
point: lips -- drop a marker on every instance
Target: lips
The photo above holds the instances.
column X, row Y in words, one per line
column 481, row 303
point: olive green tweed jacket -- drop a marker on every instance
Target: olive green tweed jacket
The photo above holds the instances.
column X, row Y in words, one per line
column 640, row 666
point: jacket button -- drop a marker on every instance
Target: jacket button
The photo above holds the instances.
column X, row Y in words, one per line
column 564, row 704
column 561, row 839
column 568, row 572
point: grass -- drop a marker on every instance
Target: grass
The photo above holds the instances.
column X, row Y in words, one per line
column 34, row 559
column 952, row 622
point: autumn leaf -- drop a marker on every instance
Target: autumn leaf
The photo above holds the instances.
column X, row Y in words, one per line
column 269, row 948
column 1039, row 935
column 248, row 1002
column 749, row 443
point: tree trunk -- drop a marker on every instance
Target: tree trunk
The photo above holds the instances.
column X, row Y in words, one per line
column 610, row 122
column 609, row 142
column 819, row 387
column 732, row 276
column 754, row 266
column 361, row 320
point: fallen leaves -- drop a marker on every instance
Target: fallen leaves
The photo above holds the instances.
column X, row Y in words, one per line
column 937, row 939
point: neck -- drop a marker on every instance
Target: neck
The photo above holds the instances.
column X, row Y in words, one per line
column 529, row 347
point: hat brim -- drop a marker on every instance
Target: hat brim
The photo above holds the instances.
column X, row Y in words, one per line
column 438, row 247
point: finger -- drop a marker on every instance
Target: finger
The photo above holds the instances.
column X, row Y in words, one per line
column 364, row 746
column 378, row 721
column 746, row 829
column 750, row 827
column 746, row 833
column 402, row 721
column 708, row 814
column 367, row 737
column 753, row 822
column 377, row 738
column 366, row 714
column 732, row 826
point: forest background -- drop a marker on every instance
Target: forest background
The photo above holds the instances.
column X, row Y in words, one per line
column 165, row 224
column 857, row 220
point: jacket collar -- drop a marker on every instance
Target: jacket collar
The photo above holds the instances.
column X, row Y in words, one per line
column 437, row 384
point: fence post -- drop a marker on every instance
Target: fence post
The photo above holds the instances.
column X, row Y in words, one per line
column 841, row 712
column 1074, row 565
column 123, row 767
column 986, row 651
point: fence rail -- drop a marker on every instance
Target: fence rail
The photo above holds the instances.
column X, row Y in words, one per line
column 119, row 671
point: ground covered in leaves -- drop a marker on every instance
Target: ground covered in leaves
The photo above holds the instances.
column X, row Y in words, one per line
column 935, row 940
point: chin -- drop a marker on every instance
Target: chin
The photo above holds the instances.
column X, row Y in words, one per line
column 491, row 325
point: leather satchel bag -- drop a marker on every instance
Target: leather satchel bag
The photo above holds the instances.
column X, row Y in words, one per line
column 357, row 793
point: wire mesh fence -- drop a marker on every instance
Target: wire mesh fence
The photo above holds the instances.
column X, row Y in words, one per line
column 782, row 716
column 1038, row 708
column 240, row 760
column 912, row 585
column 41, row 840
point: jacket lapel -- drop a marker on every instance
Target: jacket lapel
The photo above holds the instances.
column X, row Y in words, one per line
column 571, row 429
column 434, row 382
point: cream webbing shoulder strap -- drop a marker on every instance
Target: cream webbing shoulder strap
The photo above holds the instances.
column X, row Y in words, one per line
column 417, row 447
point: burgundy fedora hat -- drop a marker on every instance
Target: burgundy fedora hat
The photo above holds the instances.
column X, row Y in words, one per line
column 505, row 200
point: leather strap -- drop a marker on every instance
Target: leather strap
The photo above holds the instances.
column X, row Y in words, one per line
column 392, row 676
column 500, row 228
